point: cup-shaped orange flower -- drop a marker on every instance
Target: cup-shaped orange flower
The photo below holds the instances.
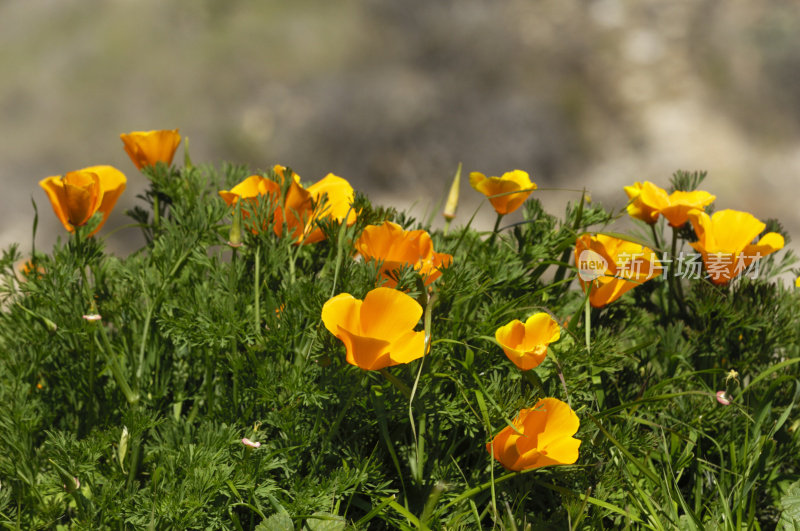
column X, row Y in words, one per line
column 646, row 201
column 726, row 242
column 252, row 190
column 505, row 193
column 612, row 266
column 78, row 195
column 377, row 332
column 543, row 437
column 146, row 148
column 526, row 343
column 396, row 248
column 649, row 200
column 302, row 208
column 333, row 199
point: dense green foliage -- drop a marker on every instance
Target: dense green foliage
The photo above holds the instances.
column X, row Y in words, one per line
column 217, row 344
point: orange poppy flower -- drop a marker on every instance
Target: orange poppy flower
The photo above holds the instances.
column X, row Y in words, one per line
column 526, row 343
column 725, row 240
column 146, row 148
column 542, row 436
column 396, row 248
column 510, row 182
column 649, row 200
column 298, row 208
column 612, row 266
column 377, row 332
column 79, row 194
column 331, row 197
column 251, row 190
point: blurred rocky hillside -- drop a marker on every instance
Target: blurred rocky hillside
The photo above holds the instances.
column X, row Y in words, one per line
column 392, row 95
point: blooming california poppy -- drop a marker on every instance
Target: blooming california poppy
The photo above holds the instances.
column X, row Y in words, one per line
column 377, row 332
column 526, row 343
column 542, row 436
column 79, row 194
column 395, row 248
column 333, row 198
column 725, row 240
column 298, row 208
column 649, row 200
column 612, row 266
column 509, row 182
column 146, row 148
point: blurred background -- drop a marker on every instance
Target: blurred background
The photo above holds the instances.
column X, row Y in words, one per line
column 393, row 95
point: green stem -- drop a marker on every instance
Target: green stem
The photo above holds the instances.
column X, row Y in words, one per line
column 156, row 213
column 116, row 368
column 209, row 383
column 495, row 229
column 656, row 241
column 402, row 387
column 257, row 291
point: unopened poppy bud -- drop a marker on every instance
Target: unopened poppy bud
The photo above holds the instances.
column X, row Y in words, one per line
column 723, row 398
column 235, row 236
column 251, row 444
column 123, row 447
column 72, row 485
column 452, row 198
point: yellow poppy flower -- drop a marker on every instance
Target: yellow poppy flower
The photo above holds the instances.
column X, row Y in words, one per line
column 649, row 200
column 542, row 436
column 377, row 332
column 797, row 282
column 725, row 240
column 298, row 208
column 333, row 198
column 329, row 198
column 613, row 266
column 646, row 201
column 146, row 148
column 396, row 248
column 525, row 344
column 76, row 196
column 513, row 181
column 251, row 190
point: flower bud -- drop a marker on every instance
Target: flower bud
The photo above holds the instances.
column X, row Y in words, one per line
column 452, row 198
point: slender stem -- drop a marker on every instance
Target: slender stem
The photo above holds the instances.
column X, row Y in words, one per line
column 156, row 213
column 209, row 383
column 656, row 241
column 402, row 387
column 257, row 291
column 496, row 228
column 116, row 368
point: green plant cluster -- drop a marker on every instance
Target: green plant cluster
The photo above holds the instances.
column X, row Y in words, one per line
column 136, row 420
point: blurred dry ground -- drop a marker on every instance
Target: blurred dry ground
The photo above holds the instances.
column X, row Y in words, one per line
column 392, row 95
